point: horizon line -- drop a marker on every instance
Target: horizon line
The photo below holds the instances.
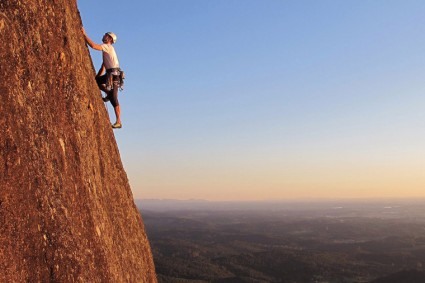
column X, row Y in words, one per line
column 289, row 199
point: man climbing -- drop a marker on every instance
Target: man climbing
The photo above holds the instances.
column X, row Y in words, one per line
column 108, row 82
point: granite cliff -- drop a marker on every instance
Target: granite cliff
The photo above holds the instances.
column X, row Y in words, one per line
column 67, row 213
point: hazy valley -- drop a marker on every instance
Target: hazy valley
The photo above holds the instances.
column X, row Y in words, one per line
column 338, row 241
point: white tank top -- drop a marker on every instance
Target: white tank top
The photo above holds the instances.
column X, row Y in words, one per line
column 110, row 59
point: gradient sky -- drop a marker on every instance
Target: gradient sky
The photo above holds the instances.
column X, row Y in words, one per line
column 269, row 99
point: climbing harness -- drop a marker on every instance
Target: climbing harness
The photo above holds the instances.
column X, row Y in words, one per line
column 114, row 77
column 122, row 78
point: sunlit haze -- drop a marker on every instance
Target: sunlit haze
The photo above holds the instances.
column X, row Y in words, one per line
column 269, row 99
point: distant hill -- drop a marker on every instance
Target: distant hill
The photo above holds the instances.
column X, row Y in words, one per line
column 368, row 207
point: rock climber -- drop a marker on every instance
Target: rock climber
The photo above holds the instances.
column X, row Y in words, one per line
column 108, row 82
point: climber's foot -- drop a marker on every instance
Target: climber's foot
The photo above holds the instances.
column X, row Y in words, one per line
column 117, row 126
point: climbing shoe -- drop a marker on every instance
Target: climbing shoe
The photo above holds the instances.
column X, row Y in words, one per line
column 117, row 126
column 105, row 99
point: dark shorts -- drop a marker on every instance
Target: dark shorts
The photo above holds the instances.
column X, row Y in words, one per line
column 112, row 95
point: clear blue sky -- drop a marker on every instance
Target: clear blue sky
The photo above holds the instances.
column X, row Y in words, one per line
column 269, row 99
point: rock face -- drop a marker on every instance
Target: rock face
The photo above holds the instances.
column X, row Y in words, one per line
column 66, row 209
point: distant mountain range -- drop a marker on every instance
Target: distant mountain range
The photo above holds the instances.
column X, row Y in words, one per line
column 357, row 206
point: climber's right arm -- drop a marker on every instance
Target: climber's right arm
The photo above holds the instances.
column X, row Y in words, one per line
column 90, row 42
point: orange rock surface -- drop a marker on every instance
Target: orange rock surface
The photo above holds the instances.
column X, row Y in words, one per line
column 67, row 213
